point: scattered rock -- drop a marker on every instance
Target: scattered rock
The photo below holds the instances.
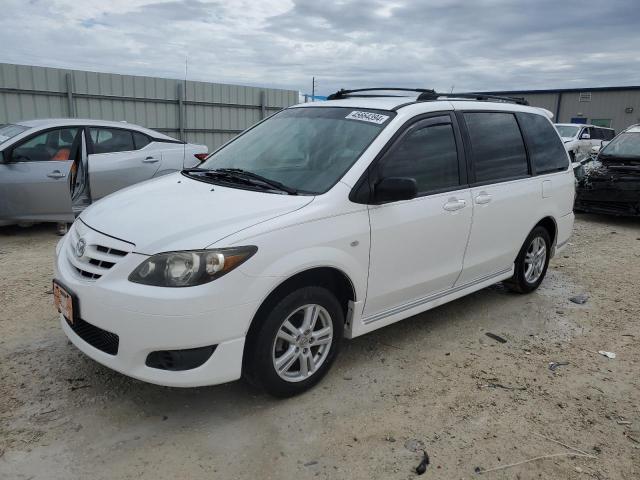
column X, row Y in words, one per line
column 390, row 439
column 580, row 299
column 311, row 463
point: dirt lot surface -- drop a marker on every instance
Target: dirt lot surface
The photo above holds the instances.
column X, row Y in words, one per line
column 434, row 381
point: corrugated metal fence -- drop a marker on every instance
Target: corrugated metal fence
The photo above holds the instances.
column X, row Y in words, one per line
column 200, row 112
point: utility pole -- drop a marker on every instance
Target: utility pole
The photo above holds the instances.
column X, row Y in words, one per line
column 313, row 89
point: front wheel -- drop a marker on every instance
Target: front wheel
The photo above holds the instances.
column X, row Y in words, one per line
column 297, row 341
column 531, row 264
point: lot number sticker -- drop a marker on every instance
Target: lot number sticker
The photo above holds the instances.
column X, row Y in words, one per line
column 367, row 117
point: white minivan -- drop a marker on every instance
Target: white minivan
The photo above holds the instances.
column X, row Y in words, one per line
column 326, row 220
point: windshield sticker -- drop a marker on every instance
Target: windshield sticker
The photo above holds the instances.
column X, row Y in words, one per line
column 367, row 117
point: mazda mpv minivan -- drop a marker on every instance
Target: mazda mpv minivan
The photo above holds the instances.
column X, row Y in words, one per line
column 326, row 220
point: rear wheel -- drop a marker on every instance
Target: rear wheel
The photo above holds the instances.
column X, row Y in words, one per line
column 297, row 341
column 532, row 262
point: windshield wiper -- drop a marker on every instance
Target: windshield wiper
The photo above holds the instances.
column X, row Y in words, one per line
column 238, row 172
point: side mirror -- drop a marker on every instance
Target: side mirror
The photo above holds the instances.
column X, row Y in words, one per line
column 393, row 189
column 585, row 136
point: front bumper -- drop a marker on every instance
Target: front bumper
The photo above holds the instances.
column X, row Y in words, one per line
column 150, row 319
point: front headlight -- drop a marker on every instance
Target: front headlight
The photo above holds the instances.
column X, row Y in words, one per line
column 190, row 268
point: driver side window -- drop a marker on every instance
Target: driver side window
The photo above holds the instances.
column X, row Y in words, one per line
column 59, row 144
column 428, row 155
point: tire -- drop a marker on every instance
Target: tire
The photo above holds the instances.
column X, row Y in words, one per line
column 290, row 345
column 529, row 270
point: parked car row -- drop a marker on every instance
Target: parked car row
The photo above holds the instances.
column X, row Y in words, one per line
column 579, row 139
column 50, row 170
column 326, row 220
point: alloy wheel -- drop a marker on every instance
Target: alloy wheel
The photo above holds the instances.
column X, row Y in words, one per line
column 302, row 343
column 535, row 260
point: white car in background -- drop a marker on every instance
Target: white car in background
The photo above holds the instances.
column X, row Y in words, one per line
column 579, row 139
column 51, row 169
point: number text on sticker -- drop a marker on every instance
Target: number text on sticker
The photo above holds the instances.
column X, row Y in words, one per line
column 367, row 117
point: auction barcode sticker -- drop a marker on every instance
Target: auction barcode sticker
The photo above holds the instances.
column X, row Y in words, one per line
column 367, row 117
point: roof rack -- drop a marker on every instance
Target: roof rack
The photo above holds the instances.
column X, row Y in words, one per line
column 427, row 95
column 342, row 93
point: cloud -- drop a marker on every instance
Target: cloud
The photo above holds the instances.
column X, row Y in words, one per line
column 482, row 45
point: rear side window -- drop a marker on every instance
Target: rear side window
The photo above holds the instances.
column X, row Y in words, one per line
column 497, row 146
column 427, row 154
column 546, row 151
column 109, row 140
column 140, row 140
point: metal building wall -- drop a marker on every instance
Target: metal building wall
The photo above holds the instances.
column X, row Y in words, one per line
column 604, row 104
column 607, row 105
column 208, row 113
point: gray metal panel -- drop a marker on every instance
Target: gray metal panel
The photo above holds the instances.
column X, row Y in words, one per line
column 604, row 104
column 214, row 113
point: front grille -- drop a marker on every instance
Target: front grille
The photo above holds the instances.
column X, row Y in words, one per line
column 96, row 337
column 101, row 252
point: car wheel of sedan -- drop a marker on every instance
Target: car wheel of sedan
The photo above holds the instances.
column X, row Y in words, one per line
column 532, row 262
column 297, row 341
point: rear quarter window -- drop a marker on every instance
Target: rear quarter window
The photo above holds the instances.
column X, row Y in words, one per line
column 546, row 151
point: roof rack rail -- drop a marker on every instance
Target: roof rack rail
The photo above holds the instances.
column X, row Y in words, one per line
column 426, row 95
column 342, row 93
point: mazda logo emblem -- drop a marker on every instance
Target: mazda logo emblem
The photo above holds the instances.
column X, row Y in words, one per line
column 80, row 246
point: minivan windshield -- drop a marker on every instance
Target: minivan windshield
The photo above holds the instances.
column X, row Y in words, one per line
column 626, row 144
column 305, row 149
column 567, row 131
column 10, row 130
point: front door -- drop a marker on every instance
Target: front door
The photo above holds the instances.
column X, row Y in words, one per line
column 115, row 163
column 417, row 246
column 36, row 178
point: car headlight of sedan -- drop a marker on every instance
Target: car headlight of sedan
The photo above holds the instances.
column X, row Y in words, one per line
column 190, row 268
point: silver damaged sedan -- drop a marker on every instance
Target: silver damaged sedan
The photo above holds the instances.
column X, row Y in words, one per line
column 51, row 169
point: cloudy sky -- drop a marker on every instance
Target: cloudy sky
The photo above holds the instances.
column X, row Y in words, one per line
column 465, row 45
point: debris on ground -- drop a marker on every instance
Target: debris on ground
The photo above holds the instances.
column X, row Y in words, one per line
column 497, row 338
column 414, row 445
column 311, row 463
column 580, row 299
column 504, row 387
column 574, row 453
column 390, row 439
column 607, row 354
column 554, row 365
column 422, row 467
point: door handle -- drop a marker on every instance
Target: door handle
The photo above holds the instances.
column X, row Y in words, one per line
column 56, row 174
column 454, row 204
column 482, row 198
column 150, row 160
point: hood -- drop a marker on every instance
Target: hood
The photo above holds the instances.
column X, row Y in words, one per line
column 174, row 212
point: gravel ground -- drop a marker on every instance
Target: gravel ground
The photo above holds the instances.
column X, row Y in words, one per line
column 434, row 382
